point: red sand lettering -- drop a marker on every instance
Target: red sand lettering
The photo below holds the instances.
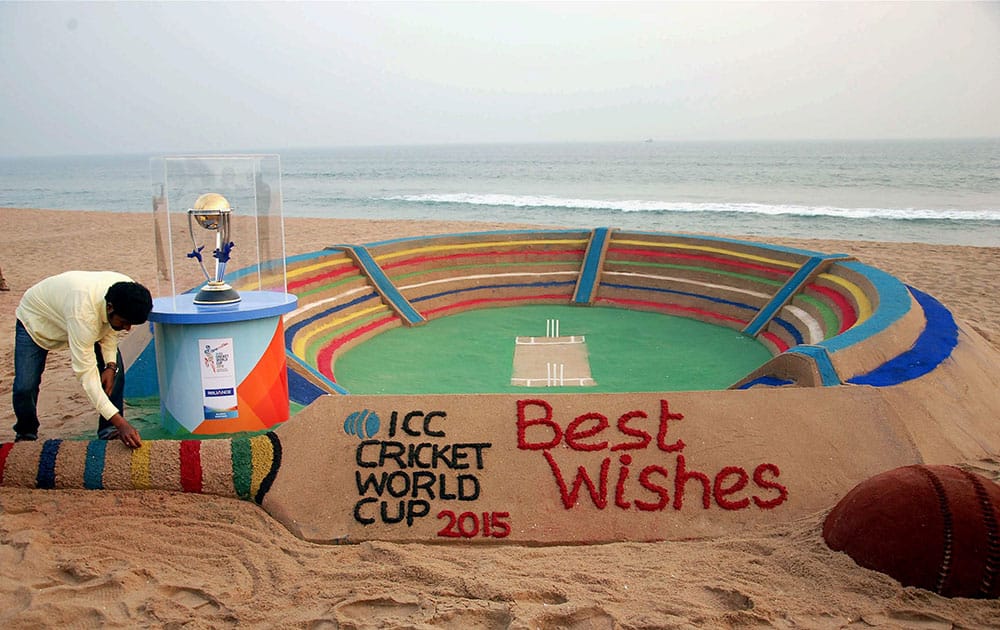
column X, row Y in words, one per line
column 727, row 488
column 466, row 524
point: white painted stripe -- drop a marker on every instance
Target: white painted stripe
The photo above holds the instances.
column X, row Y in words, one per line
column 550, row 341
column 815, row 331
column 725, row 287
column 489, row 277
column 813, row 328
column 543, row 382
column 319, row 303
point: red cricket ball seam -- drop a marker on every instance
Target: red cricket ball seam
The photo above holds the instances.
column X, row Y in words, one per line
column 992, row 560
column 947, row 525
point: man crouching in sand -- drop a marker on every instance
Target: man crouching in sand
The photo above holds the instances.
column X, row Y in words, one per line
column 81, row 310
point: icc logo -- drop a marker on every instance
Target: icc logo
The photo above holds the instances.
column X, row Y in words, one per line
column 363, row 424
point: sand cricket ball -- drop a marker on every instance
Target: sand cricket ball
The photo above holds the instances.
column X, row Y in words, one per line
column 934, row 527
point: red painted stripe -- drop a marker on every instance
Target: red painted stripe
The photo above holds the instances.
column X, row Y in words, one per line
column 343, row 271
column 4, row 449
column 348, row 269
column 325, row 354
column 739, row 264
column 776, row 340
column 191, row 473
column 575, row 253
column 848, row 316
column 675, row 308
column 473, row 303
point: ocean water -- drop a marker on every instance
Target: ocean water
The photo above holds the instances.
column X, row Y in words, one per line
column 923, row 191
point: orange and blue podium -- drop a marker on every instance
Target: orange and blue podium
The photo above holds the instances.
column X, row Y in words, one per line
column 222, row 368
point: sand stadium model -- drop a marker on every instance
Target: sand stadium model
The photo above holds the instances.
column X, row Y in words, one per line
column 846, row 395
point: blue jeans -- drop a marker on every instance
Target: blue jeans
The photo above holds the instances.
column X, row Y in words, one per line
column 29, row 363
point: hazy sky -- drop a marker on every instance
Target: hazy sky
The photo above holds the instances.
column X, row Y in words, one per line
column 158, row 77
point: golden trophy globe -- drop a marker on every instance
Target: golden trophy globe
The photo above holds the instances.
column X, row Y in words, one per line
column 211, row 211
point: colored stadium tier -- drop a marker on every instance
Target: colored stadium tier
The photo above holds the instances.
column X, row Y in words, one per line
column 826, row 318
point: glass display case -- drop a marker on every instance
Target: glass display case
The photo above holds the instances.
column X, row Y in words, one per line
column 221, row 293
column 218, row 226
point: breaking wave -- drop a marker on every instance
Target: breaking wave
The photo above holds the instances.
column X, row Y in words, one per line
column 633, row 205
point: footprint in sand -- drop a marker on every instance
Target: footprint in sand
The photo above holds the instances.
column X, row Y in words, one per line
column 379, row 609
column 730, row 600
column 463, row 614
column 191, row 598
column 576, row 618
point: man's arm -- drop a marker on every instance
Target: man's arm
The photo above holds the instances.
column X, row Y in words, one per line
column 81, row 350
column 109, row 352
column 109, row 347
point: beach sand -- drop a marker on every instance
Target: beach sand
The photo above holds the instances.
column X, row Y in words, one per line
column 153, row 558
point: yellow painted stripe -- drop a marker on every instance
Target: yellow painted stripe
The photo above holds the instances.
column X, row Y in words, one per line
column 309, row 306
column 487, row 276
column 301, row 271
column 864, row 304
column 140, row 467
column 261, row 456
column 483, row 245
column 302, row 339
column 706, row 248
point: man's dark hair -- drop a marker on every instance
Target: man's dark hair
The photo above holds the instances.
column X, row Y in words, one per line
column 130, row 300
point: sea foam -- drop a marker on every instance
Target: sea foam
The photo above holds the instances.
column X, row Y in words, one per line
column 639, row 205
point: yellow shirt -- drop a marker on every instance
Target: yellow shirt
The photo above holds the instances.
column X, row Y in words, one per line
column 68, row 310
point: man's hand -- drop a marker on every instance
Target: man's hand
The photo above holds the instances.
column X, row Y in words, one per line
column 126, row 432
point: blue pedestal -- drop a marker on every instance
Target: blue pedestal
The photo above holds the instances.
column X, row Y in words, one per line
column 222, row 369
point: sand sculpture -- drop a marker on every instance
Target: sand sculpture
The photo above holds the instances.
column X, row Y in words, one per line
column 935, row 527
column 867, row 375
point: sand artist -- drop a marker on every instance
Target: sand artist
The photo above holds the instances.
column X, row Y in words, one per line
column 81, row 310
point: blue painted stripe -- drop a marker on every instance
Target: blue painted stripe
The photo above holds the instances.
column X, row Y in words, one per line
column 892, row 304
column 587, row 283
column 291, row 330
column 790, row 329
column 689, row 239
column 93, row 470
column 790, row 288
column 142, row 377
column 741, row 305
column 513, row 285
column 934, row 345
column 301, row 390
column 796, row 335
column 385, row 286
column 769, row 381
column 686, row 238
column 326, row 251
column 322, row 379
column 828, row 375
column 46, row 478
